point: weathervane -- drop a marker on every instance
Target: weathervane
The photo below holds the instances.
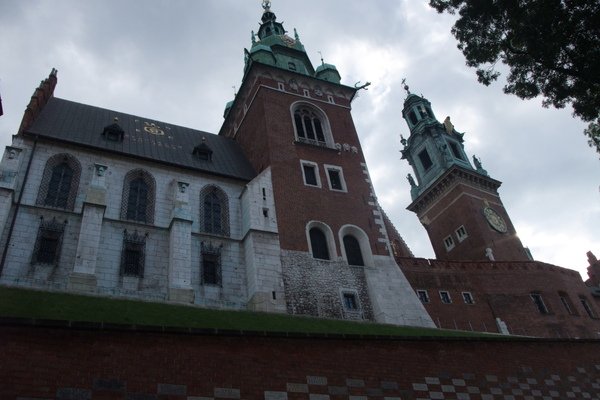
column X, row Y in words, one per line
column 266, row 4
column 405, row 86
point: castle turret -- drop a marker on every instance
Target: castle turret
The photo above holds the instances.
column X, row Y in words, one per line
column 456, row 201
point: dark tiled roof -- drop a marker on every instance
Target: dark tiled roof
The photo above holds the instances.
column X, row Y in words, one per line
column 82, row 124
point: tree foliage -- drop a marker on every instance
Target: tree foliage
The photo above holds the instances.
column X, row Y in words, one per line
column 552, row 48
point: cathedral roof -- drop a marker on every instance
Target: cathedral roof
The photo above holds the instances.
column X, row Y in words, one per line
column 82, row 124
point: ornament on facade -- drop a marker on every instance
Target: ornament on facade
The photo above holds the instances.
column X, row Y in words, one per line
column 100, row 169
column 354, row 149
column 266, row 5
column 449, row 126
column 405, row 86
column 153, row 129
column 182, row 186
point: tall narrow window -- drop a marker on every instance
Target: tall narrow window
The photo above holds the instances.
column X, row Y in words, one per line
column 425, row 159
column 318, row 242
column 214, row 211
column 48, row 242
column 445, row 297
column 586, row 306
column 423, row 296
column 566, row 302
column 539, row 303
column 350, row 302
column 133, row 254
column 211, row 264
column 353, row 253
column 138, row 197
column 60, row 182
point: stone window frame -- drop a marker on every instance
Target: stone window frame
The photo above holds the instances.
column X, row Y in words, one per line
column 54, row 162
column 445, row 297
column 223, row 202
column 352, row 313
column 587, row 307
column 212, row 253
column 335, row 168
column 310, row 110
column 133, row 242
column 150, row 182
column 363, row 241
column 315, row 166
column 331, row 248
column 461, row 233
column 48, row 231
column 468, row 298
column 423, row 296
column 538, row 302
column 565, row 299
column 449, row 243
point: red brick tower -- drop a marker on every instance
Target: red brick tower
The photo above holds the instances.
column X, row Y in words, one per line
column 458, row 205
column 295, row 121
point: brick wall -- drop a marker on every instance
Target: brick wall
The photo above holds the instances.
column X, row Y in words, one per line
column 70, row 364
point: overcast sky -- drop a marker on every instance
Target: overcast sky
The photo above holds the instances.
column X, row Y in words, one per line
column 177, row 61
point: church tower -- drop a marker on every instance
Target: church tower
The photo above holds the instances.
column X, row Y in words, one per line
column 458, row 204
column 294, row 124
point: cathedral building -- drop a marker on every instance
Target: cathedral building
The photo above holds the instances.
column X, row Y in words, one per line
column 275, row 213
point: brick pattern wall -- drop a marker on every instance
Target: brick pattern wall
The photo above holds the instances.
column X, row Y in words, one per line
column 50, row 363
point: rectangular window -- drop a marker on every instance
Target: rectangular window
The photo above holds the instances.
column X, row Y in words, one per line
column 445, row 297
column 461, row 234
column 586, row 306
column 335, row 178
column 330, row 99
column 350, row 302
column 306, row 93
column 566, row 302
column 132, row 254
column 423, row 296
column 456, row 151
column 211, row 274
column 468, row 298
column 539, row 303
column 425, row 160
column 310, row 173
column 449, row 243
column 280, row 86
column 48, row 242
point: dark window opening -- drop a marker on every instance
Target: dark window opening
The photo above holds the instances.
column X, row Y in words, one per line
column 423, row 296
column 133, row 254
column 566, row 302
column 445, row 297
column 353, row 253
column 48, row 243
column 212, row 214
column 318, row 242
column 211, row 264
column 319, row 130
column 539, row 303
column 456, row 151
column 335, row 179
column 425, row 160
column 423, row 112
column 310, row 133
column 586, row 306
column 310, row 175
column 137, row 202
column 350, row 302
column 413, row 117
column 59, row 186
column 468, row 298
column 309, row 127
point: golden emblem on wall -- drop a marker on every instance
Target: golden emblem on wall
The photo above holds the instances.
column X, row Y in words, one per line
column 153, row 129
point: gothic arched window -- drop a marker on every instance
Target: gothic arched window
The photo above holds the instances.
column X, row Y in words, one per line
column 311, row 126
column 318, row 243
column 353, row 253
column 214, row 211
column 60, row 182
column 138, row 197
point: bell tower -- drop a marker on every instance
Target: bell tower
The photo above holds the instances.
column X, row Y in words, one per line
column 294, row 124
column 457, row 203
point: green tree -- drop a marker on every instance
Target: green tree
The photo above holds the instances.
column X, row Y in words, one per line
column 552, row 48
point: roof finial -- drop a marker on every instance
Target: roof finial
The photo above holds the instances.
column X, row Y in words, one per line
column 266, row 4
column 322, row 62
column 405, row 86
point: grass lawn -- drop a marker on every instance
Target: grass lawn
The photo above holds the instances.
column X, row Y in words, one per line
column 24, row 303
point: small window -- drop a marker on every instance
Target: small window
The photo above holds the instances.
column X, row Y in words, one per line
column 211, row 264
column 412, row 117
column 539, row 303
column 330, row 99
column 423, row 296
column 586, row 306
column 456, row 151
column 335, row 178
column 461, row 234
column 49, row 242
column 468, row 298
column 306, row 93
column 566, row 302
column 318, row 243
column 449, row 243
column 425, row 160
column 291, row 66
column 310, row 173
column 132, row 254
column 445, row 297
column 281, row 86
column 350, row 301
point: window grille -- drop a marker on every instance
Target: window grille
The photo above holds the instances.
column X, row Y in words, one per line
column 138, row 197
column 211, row 264
column 133, row 254
column 214, row 211
column 60, row 182
column 48, row 242
column 318, row 242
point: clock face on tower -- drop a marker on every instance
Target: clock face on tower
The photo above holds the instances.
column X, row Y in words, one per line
column 495, row 220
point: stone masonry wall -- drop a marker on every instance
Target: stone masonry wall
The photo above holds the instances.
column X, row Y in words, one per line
column 68, row 364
